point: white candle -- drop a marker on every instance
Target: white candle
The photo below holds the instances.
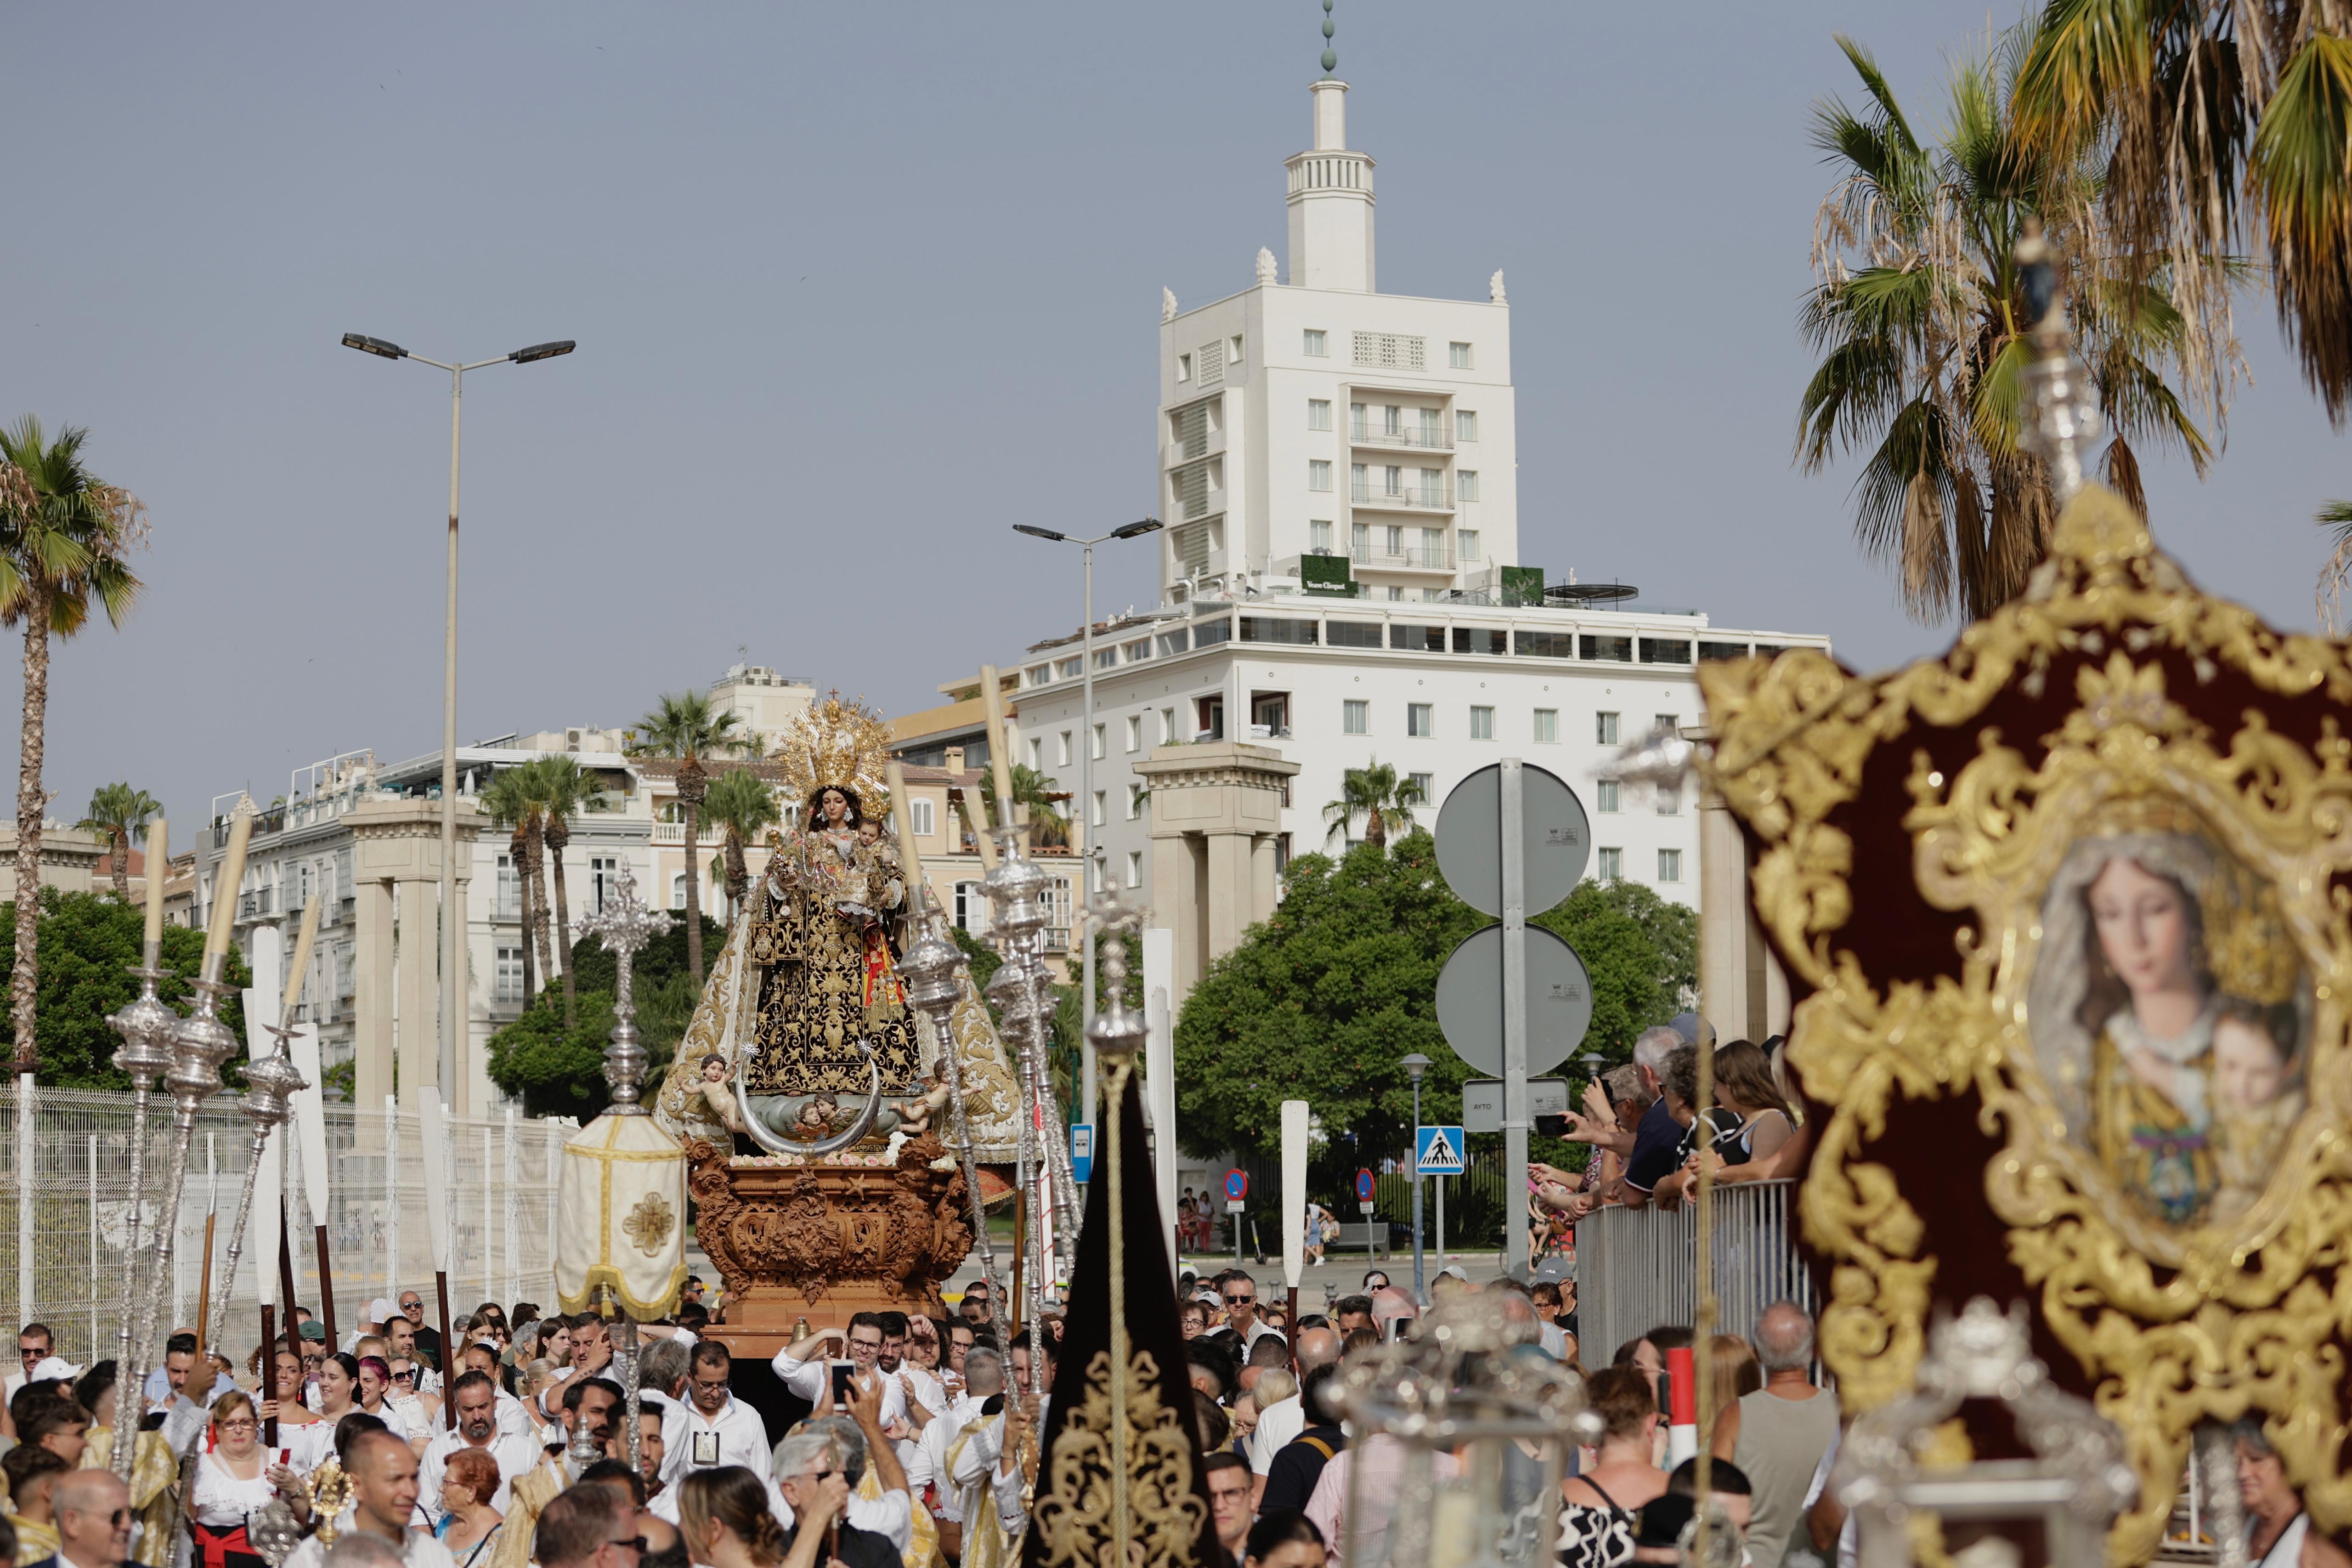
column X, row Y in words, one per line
column 300, row 969
column 225, row 884
column 159, row 859
column 992, row 702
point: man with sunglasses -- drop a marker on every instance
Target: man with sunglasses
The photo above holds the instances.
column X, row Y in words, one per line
column 1241, row 1311
column 428, row 1339
column 93, row 1519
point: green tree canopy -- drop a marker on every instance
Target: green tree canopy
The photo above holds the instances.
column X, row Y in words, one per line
column 557, row 1071
column 1323, row 1000
column 88, row 945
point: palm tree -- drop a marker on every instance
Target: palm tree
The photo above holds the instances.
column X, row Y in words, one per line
column 64, row 538
column 742, row 805
column 512, row 804
column 1918, row 314
column 2224, row 127
column 1382, row 799
column 684, row 726
column 2338, row 515
column 1035, row 791
column 566, row 789
column 118, row 813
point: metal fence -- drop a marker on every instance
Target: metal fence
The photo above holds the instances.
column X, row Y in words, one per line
column 1636, row 1268
column 72, row 1181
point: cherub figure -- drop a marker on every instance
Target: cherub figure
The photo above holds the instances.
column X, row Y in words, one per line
column 2254, row 1103
column 719, row 1094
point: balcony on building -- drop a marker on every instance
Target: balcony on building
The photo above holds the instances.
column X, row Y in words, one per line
column 1193, row 447
column 1423, row 437
column 1406, row 497
column 1417, row 559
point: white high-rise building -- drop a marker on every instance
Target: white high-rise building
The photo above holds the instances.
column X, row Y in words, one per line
column 1320, row 418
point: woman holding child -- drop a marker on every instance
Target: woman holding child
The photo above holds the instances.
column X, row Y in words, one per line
column 2165, row 1010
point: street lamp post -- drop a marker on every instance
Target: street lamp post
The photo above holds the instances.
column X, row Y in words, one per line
column 447, row 1069
column 1415, row 1066
column 1089, row 851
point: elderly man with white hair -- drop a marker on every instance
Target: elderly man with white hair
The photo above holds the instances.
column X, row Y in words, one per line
column 1778, row 1434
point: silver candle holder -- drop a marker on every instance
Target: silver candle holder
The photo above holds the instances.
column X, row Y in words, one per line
column 271, row 1082
column 200, row 1044
column 933, row 971
column 623, row 926
column 146, row 1026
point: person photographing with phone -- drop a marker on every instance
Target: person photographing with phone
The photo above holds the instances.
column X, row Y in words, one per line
column 828, row 1386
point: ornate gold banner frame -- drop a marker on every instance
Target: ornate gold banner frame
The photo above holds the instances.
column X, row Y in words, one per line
column 2072, row 902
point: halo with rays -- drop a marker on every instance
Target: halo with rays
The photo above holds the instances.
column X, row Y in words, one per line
column 839, row 742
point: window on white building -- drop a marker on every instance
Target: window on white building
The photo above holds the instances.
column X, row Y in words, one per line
column 1606, row 794
column 1318, row 537
column 1095, row 818
column 509, row 897
column 1391, row 477
column 1426, row 784
column 1167, row 726
column 1670, row 865
column 1317, row 343
column 1319, row 474
column 1395, row 591
column 1420, row 720
column 1356, row 420
column 1040, row 675
column 1457, row 356
column 920, row 811
column 1468, row 539
column 1482, row 723
column 604, row 881
column 677, row 890
column 1604, row 729
column 1612, row 867
column 1062, row 749
column 1465, row 425
column 1136, row 794
column 1355, row 717
column 1668, row 721
column 1135, row 731
column 1036, row 754
column 1465, row 484
column 1547, row 726
column 1135, row 867
column 1318, row 413
column 1359, row 534
column 971, row 907
column 1102, row 742
column 1670, row 800
column 506, row 980
column 1069, row 668
column 1393, row 538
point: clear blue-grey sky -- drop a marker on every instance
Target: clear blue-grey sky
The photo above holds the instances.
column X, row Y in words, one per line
column 858, row 287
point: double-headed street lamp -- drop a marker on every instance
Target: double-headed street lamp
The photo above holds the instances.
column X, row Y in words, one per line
column 450, row 935
column 1085, row 796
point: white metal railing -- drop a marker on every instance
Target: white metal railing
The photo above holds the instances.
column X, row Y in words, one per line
column 1415, row 498
column 1430, row 438
column 674, row 832
column 1635, row 1269
column 1420, row 559
column 502, row 1199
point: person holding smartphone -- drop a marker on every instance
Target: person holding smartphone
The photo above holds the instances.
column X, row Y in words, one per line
column 800, row 1369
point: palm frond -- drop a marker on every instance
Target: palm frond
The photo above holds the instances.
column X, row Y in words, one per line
column 2301, row 166
column 2338, row 515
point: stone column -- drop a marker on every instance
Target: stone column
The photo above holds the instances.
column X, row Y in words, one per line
column 371, row 973
column 1741, row 989
column 420, row 985
column 1265, row 882
column 1215, row 807
column 474, row 1091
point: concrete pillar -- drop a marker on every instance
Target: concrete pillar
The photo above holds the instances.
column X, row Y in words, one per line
column 371, row 980
column 1263, row 880
column 1742, row 991
column 1176, row 905
column 473, row 1086
column 1229, row 892
column 420, row 985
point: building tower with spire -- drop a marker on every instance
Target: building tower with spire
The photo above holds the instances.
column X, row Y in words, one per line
column 1314, row 431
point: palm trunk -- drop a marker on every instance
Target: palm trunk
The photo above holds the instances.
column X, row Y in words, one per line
column 739, row 875
column 536, row 906
column 123, row 864
column 519, row 852
column 23, row 983
column 1376, row 830
column 558, row 834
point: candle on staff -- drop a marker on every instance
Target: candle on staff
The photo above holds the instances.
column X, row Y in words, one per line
column 159, row 861
column 300, row 970
column 224, row 886
column 902, row 817
column 1000, row 753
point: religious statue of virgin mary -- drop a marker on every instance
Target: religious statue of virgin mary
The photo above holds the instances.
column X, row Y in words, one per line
column 803, row 1040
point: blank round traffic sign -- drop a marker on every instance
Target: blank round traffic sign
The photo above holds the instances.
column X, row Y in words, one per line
column 1470, row 1000
column 1552, row 826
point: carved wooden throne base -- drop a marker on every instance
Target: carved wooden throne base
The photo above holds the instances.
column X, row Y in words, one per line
column 825, row 1241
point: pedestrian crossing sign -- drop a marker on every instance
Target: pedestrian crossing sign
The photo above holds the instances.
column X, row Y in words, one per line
column 1437, row 1150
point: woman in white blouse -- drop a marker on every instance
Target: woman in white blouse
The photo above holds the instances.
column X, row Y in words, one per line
column 234, row 1480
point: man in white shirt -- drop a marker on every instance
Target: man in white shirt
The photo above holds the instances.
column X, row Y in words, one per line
column 514, row 1418
column 711, row 1426
column 935, row 1448
column 478, row 1427
column 916, row 1384
column 804, row 1370
column 1241, row 1311
column 33, row 1343
column 1281, row 1421
column 382, row 1470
